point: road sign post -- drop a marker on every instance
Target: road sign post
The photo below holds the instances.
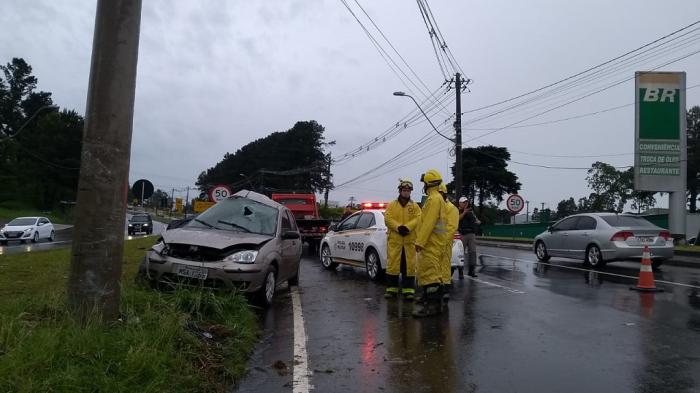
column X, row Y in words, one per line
column 219, row 192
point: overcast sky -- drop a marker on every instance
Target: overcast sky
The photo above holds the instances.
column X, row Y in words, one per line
column 215, row 75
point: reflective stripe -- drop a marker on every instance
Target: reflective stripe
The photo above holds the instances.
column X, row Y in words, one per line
column 646, row 268
column 392, row 290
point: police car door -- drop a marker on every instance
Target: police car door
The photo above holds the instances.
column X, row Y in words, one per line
column 360, row 236
column 339, row 244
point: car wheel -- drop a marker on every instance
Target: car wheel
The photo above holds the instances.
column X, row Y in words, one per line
column 373, row 265
column 52, row 236
column 266, row 294
column 294, row 281
column 594, row 258
column 36, row 237
column 541, row 251
column 326, row 259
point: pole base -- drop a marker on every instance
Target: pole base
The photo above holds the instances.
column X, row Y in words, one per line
column 646, row 289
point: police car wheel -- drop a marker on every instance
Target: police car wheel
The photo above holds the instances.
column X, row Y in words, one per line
column 326, row 259
column 373, row 265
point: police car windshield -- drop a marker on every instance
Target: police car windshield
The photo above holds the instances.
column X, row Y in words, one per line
column 239, row 214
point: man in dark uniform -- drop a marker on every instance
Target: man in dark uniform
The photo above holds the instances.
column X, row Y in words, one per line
column 468, row 224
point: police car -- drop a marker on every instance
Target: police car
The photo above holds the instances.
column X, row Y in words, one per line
column 360, row 241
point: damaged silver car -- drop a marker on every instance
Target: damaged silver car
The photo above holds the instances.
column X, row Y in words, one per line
column 247, row 242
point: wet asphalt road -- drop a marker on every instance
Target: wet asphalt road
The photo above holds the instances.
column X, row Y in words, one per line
column 521, row 326
column 63, row 239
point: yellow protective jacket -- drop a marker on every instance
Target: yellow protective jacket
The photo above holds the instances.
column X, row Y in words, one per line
column 432, row 237
column 395, row 216
column 452, row 224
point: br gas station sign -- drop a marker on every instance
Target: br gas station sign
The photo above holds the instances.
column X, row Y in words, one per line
column 660, row 141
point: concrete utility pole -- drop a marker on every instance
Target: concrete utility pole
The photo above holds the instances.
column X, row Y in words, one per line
column 328, row 180
column 97, row 252
column 527, row 212
column 458, row 137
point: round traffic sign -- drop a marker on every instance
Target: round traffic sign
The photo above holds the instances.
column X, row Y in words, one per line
column 142, row 189
column 219, row 192
column 515, row 203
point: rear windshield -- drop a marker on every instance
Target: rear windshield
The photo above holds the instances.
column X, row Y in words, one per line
column 627, row 221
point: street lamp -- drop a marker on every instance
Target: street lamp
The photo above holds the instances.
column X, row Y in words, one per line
column 457, row 141
column 402, row 94
column 248, row 180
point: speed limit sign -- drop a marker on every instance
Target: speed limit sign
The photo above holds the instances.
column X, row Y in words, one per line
column 515, row 203
column 219, row 192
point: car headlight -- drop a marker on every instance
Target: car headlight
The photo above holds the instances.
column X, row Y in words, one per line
column 28, row 231
column 145, row 225
column 131, row 225
column 247, row 256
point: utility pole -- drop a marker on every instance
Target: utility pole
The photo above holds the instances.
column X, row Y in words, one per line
column 458, row 137
column 172, row 202
column 328, row 180
column 527, row 212
column 187, row 200
column 98, row 244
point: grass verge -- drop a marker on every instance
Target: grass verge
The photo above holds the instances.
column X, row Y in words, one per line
column 182, row 341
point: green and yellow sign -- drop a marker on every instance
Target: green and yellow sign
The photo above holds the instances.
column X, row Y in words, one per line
column 660, row 142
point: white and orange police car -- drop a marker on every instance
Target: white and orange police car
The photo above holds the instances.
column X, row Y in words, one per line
column 360, row 240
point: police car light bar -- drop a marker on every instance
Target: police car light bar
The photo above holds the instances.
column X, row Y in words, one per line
column 374, row 205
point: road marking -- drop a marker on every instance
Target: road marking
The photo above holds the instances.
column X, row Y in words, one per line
column 507, row 289
column 300, row 379
column 588, row 270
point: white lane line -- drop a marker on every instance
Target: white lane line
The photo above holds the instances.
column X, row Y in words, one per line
column 300, row 379
column 587, row 270
column 507, row 289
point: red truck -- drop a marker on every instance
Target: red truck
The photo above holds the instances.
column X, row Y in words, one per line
column 311, row 226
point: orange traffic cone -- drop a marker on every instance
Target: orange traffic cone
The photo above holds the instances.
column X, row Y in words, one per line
column 645, row 283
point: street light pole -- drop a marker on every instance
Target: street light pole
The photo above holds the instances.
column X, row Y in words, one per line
column 457, row 141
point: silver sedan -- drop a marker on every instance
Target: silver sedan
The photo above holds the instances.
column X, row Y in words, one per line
column 598, row 238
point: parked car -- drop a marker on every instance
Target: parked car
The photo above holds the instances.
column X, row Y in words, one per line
column 360, row 240
column 27, row 228
column 598, row 238
column 140, row 223
column 247, row 242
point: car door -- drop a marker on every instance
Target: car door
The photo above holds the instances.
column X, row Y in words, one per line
column 357, row 241
column 581, row 236
column 42, row 227
column 289, row 248
column 340, row 247
column 557, row 240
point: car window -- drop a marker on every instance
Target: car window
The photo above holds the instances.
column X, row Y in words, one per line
column 349, row 223
column 627, row 221
column 20, row 222
column 43, row 221
column 566, row 225
column 366, row 220
column 586, row 223
column 286, row 222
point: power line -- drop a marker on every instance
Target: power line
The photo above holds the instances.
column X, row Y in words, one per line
column 584, row 71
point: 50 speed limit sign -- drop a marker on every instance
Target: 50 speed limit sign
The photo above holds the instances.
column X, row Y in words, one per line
column 219, row 192
column 515, row 203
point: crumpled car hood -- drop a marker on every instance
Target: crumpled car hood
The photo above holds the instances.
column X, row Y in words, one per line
column 214, row 238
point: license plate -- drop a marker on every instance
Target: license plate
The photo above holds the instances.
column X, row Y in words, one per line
column 645, row 239
column 192, row 272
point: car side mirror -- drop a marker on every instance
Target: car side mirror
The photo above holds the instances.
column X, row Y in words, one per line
column 333, row 227
column 290, row 235
column 550, row 228
column 40, row 224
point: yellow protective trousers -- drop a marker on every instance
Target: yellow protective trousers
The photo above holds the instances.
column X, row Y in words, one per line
column 432, row 237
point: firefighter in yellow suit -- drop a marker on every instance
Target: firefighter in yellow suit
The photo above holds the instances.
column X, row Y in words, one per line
column 402, row 217
column 452, row 224
column 430, row 244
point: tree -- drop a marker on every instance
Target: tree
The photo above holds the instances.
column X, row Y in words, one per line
column 39, row 146
column 693, row 134
column 484, row 174
column 613, row 189
column 292, row 160
column 566, row 208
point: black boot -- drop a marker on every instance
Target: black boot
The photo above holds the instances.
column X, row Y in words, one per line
column 471, row 272
column 431, row 304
